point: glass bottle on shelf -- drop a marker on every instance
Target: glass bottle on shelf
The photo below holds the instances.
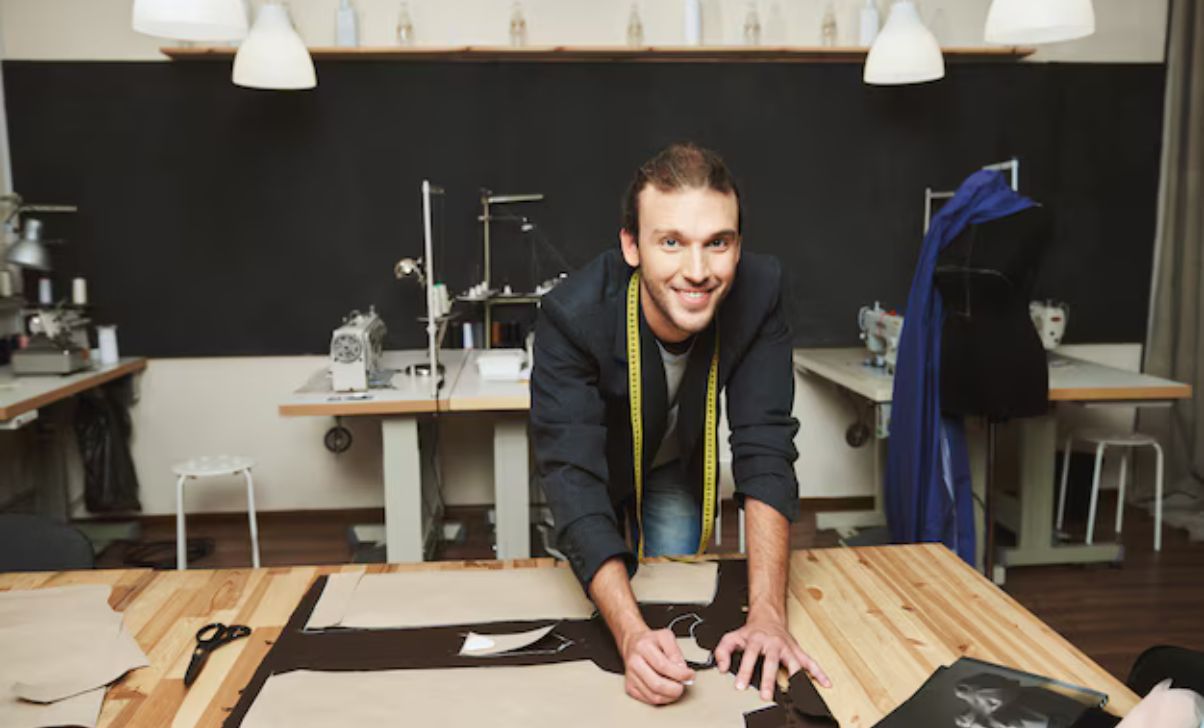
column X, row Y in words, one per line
column 827, row 31
column 405, row 26
column 752, row 26
column 635, row 27
column 518, row 26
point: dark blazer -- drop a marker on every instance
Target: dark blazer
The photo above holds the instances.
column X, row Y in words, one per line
column 580, row 423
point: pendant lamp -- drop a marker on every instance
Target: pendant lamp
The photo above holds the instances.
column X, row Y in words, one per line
column 273, row 56
column 195, row 20
column 1018, row 22
column 905, row 51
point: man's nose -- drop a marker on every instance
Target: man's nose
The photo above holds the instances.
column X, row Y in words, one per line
column 695, row 266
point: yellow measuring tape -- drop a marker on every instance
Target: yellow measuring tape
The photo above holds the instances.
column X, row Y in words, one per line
column 710, row 455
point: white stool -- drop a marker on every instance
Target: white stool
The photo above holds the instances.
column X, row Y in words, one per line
column 1102, row 440
column 212, row 467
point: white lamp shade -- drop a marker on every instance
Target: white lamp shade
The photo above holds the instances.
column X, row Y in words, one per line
column 905, row 51
column 273, row 56
column 199, row 20
column 30, row 254
column 1014, row 22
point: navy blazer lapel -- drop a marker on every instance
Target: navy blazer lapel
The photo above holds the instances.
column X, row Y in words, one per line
column 691, row 400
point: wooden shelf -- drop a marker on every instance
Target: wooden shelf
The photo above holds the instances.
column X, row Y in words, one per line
column 624, row 54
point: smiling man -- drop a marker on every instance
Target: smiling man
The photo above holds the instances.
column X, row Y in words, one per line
column 630, row 355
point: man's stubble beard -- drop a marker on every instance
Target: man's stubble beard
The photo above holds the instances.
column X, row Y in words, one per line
column 663, row 307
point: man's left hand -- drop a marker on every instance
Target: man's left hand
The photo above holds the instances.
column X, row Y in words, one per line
column 765, row 635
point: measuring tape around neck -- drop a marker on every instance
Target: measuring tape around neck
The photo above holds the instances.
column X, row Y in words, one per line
column 710, row 455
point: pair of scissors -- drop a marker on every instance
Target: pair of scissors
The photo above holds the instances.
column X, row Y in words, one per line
column 209, row 638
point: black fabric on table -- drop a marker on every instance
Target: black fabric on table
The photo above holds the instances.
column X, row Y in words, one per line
column 436, row 647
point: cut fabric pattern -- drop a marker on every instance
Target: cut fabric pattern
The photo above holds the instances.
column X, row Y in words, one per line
column 676, row 582
column 440, row 598
column 479, row 596
column 60, row 648
column 570, row 694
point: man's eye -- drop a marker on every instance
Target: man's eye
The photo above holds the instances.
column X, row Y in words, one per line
column 718, row 243
column 670, row 242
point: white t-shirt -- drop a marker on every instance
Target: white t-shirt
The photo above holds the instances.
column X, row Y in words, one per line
column 675, row 370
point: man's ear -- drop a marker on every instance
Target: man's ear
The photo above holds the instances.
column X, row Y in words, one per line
column 630, row 247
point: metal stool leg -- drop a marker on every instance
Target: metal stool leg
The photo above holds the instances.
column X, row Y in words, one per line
column 1065, row 478
column 1099, row 466
column 1120, row 492
column 1158, row 473
column 251, row 517
column 181, row 540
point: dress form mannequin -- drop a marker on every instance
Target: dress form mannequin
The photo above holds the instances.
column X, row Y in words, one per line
column 992, row 362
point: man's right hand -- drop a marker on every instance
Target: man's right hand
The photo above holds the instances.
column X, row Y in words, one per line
column 655, row 669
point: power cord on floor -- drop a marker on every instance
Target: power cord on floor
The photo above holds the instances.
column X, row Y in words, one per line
column 162, row 554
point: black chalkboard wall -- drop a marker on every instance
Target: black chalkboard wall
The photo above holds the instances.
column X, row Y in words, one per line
column 222, row 221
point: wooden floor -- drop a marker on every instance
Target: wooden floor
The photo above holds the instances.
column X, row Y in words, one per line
column 1111, row 613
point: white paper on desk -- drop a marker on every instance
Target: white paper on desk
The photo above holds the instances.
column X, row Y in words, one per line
column 577, row 694
column 486, row 645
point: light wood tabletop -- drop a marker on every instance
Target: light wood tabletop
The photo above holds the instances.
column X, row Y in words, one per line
column 879, row 620
column 27, row 392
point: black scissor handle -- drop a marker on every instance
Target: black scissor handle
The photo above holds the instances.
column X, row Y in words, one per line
column 210, row 633
column 235, row 631
column 215, row 634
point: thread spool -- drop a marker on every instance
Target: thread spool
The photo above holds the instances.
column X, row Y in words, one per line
column 79, row 291
column 106, row 337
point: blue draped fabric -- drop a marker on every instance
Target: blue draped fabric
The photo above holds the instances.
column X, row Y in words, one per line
column 928, row 492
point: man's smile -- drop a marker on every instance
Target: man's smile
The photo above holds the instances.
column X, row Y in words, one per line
column 693, row 298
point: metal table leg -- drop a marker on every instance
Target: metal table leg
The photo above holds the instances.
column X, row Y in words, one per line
column 511, row 486
column 407, row 520
column 1031, row 517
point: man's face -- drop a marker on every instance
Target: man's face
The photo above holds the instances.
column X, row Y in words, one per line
column 687, row 255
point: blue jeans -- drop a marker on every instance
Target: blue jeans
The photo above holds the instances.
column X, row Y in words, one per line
column 672, row 515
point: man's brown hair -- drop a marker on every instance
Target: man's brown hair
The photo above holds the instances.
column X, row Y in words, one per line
column 679, row 166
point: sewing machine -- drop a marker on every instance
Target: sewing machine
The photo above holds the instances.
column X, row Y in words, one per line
column 1050, row 319
column 58, row 343
column 355, row 351
column 880, row 330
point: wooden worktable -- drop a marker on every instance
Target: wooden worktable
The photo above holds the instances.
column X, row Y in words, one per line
column 1030, row 515
column 879, row 620
column 1070, row 379
column 409, row 486
column 30, row 391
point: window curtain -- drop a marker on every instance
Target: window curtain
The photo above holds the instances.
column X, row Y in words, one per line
column 1175, row 344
